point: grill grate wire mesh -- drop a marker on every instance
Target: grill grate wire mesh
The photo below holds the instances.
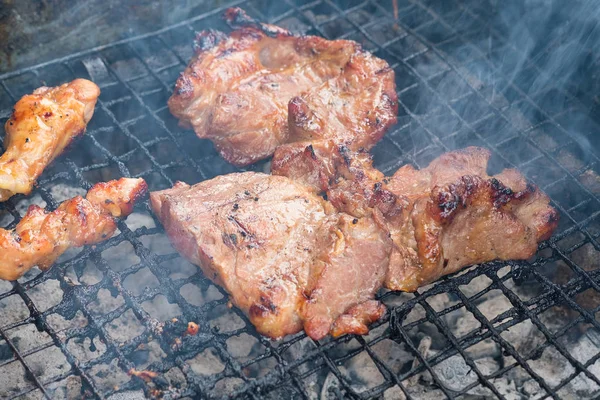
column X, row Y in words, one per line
column 136, row 77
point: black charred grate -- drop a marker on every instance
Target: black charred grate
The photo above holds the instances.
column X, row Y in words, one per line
column 505, row 329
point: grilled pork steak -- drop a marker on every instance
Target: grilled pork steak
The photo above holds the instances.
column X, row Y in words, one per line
column 350, row 268
column 260, row 87
column 292, row 260
column 285, row 256
column 447, row 216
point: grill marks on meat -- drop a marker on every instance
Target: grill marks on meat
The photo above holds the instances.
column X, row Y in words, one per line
column 447, row 216
column 260, row 87
column 41, row 236
column 287, row 259
column 41, row 126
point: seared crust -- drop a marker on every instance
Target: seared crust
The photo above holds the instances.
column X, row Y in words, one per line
column 354, row 109
column 471, row 190
column 310, row 163
column 357, row 319
column 475, row 220
column 260, row 87
column 41, row 236
column 446, row 216
column 41, row 126
column 349, row 113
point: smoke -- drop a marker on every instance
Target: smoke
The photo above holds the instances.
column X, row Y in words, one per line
column 535, row 61
column 561, row 37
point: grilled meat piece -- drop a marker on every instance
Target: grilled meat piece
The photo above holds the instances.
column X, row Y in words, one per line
column 352, row 111
column 350, row 269
column 287, row 259
column 41, row 126
column 355, row 108
column 318, row 164
column 291, row 260
column 259, row 250
column 313, row 164
column 260, row 87
column 41, row 236
column 447, row 216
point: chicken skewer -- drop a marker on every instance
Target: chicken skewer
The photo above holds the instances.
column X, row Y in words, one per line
column 41, row 126
column 41, row 236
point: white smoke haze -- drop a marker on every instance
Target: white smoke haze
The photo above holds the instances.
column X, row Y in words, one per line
column 562, row 39
column 541, row 58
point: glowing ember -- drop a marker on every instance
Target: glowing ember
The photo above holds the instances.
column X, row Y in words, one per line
column 192, row 328
column 145, row 375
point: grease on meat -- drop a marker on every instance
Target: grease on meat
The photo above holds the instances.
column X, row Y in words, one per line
column 41, row 126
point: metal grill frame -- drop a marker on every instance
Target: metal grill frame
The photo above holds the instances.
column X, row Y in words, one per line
column 287, row 377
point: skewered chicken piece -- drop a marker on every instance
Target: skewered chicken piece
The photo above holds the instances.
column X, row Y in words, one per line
column 41, row 126
column 260, row 87
column 41, row 236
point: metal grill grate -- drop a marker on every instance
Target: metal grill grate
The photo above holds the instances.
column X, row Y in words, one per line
column 79, row 328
